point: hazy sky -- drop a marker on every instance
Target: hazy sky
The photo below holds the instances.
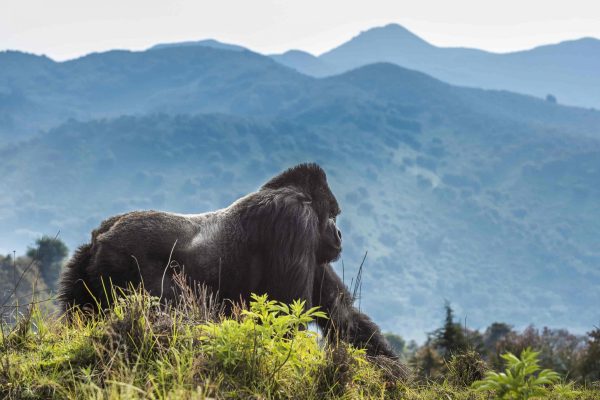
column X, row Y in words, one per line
column 65, row 29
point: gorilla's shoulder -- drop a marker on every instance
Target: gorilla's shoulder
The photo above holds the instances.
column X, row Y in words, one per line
column 106, row 225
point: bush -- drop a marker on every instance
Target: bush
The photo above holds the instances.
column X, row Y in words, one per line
column 268, row 344
column 465, row 368
column 521, row 380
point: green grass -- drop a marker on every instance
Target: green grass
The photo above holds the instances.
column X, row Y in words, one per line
column 140, row 350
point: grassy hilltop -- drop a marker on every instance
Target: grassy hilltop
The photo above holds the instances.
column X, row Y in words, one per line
column 140, row 350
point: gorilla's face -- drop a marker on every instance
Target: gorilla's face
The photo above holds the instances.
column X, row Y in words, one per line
column 327, row 209
column 311, row 181
column 330, row 245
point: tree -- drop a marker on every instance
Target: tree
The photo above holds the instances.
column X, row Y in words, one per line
column 450, row 338
column 551, row 99
column 559, row 350
column 49, row 254
column 427, row 362
column 515, row 342
column 396, row 341
column 589, row 367
column 494, row 333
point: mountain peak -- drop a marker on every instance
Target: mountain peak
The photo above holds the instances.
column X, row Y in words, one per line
column 377, row 43
column 393, row 27
column 297, row 53
column 395, row 33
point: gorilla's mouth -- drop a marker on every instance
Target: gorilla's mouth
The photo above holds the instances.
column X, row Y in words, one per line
column 336, row 251
column 334, row 246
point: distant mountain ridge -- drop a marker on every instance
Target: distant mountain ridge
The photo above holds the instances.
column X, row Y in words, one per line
column 121, row 81
column 568, row 70
column 38, row 93
column 205, row 43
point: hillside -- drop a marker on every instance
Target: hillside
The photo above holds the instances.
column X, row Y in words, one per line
column 38, row 93
column 190, row 350
column 567, row 70
column 485, row 198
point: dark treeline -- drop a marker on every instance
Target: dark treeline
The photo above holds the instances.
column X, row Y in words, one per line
column 575, row 357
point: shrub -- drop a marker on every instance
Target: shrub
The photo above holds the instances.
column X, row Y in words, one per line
column 268, row 344
column 465, row 368
column 521, row 380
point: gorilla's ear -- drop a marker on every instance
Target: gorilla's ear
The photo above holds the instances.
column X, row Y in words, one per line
column 305, row 176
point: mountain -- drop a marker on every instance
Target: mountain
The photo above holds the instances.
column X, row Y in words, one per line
column 38, row 93
column 304, row 62
column 215, row 44
column 486, row 198
column 390, row 43
column 568, row 70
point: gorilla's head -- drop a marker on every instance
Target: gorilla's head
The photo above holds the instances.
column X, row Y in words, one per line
column 311, row 180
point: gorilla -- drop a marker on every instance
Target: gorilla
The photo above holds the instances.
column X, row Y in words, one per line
column 279, row 240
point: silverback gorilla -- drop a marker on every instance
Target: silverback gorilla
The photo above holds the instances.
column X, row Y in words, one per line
column 278, row 240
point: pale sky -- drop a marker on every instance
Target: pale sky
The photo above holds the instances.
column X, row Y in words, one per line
column 64, row 29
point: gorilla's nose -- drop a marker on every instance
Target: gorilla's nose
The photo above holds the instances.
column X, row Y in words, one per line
column 339, row 234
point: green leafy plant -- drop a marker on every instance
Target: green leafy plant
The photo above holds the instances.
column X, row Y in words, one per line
column 521, row 380
column 266, row 342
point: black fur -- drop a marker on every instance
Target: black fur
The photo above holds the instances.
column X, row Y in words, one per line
column 74, row 275
column 278, row 240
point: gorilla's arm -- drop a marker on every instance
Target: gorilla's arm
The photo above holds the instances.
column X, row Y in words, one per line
column 345, row 321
